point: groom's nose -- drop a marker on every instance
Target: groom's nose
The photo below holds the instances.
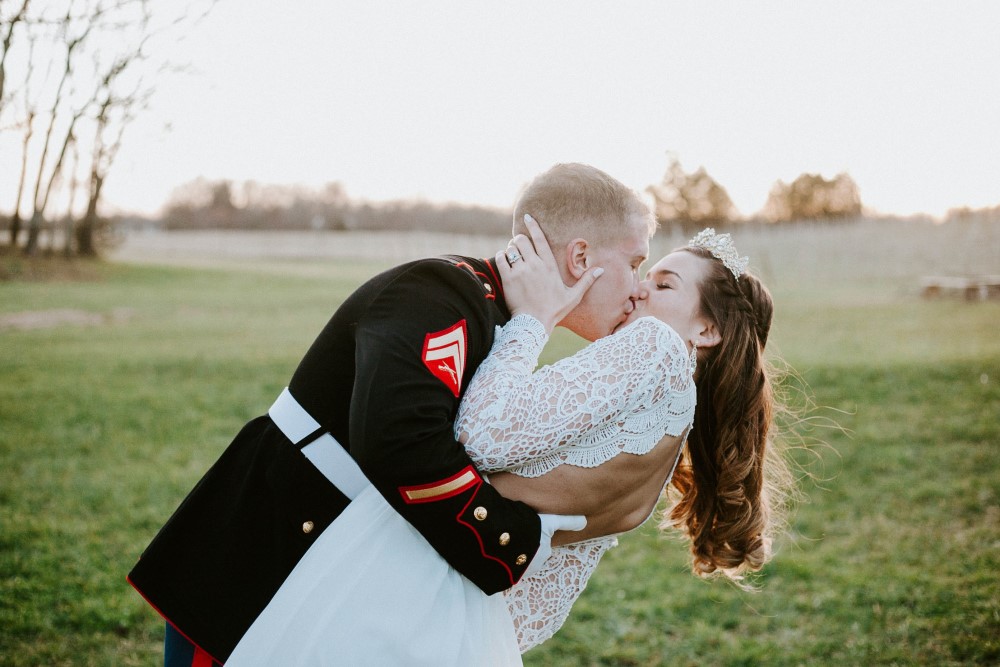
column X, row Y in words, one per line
column 640, row 292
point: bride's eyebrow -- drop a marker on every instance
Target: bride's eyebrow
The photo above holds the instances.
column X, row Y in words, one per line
column 667, row 272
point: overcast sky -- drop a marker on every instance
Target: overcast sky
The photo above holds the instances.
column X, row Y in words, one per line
column 466, row 101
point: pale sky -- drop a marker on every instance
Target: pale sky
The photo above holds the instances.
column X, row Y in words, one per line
column 466, row 101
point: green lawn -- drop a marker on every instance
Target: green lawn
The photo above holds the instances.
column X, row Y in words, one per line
column 892, row 559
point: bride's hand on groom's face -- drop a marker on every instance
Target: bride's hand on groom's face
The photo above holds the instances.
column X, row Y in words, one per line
column 532, row 282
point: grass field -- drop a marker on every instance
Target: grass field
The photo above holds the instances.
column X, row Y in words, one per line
column 113, row 406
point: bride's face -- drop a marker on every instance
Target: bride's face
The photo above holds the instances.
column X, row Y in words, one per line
column 671, row 293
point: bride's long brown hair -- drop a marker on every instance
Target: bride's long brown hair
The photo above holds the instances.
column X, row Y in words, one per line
column 728, row 491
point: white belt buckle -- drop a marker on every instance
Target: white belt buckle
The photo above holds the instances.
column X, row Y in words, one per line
column 329, row 457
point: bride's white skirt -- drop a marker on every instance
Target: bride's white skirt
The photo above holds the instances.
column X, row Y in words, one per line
column 372, row 591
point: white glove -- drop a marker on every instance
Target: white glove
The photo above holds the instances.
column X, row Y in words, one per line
column 550, row 524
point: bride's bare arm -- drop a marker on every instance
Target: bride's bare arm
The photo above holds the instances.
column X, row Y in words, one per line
column 615, row 496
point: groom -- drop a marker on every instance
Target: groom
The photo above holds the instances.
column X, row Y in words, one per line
column 375, row 396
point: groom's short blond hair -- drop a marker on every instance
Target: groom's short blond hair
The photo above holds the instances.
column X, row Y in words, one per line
column 576, row 200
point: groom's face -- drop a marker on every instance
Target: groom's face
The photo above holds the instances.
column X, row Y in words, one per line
column 608, row 303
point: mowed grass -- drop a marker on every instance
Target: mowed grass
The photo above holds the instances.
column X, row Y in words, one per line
column 891, row 558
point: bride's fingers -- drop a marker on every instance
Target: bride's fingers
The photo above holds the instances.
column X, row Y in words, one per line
column 538, row 239
column 502, row 265
column 512, row 255
column 520, row 245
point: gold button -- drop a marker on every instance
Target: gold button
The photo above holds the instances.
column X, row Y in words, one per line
column 521, row 560
column 480, row 513
column 307, row 527
column 504, row 539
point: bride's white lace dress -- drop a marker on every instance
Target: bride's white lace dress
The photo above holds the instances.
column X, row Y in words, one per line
column 372, row 591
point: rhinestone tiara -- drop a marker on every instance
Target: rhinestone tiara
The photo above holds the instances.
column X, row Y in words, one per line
column 722, row 248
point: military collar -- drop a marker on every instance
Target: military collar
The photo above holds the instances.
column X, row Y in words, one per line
column 485, row 273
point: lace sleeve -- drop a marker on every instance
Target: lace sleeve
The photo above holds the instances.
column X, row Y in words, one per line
column 540, row 604
column 620, row 393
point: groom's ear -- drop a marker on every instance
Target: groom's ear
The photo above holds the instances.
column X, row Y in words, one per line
column 577, row 257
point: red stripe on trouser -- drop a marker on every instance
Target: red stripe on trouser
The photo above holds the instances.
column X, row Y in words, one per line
column 202, row 659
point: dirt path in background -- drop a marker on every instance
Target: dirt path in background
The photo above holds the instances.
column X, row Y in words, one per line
column 46, row 319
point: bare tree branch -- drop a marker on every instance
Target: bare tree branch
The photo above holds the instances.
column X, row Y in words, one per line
column 74, row 186
column 7, row 39
column 41, row 198
column 15, row 219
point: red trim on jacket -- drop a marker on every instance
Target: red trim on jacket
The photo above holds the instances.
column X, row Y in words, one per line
column 482, row 547
column 199, row 653
column 496, row 278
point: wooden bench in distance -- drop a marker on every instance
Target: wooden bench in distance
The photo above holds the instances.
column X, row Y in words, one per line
column 971, row 288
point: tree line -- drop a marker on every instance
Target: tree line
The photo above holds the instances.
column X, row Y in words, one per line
column 694, row 200
column 687, row 201
column 691, row 201
column 222, row 204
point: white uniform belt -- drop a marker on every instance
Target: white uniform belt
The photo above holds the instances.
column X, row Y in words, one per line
column 329, row 457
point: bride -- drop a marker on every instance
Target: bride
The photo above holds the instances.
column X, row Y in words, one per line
column 372, row 591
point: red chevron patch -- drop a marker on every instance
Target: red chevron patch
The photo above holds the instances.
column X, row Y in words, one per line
column 444, row 355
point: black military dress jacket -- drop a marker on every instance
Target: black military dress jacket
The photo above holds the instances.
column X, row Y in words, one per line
column 384, row 377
